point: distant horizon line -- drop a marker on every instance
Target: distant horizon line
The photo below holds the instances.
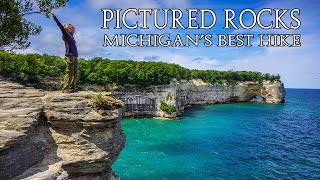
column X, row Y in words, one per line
column 302, row 88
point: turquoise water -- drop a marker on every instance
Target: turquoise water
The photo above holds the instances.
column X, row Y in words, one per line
column 229, row 141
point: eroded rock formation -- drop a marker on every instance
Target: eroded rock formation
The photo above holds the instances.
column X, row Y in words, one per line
column 51, row 135
column 196, row 92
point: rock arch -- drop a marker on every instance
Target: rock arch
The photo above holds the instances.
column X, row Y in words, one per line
column 258, row 97
column 269, row 92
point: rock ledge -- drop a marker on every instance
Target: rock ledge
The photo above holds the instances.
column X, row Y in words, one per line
column 51, row 135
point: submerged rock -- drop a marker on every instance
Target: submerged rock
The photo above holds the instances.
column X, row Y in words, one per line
column 51, row 135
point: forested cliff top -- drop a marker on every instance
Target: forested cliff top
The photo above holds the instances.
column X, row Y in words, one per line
column 30, row 68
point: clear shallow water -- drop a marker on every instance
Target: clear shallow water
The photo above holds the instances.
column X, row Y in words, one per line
column 229, row 141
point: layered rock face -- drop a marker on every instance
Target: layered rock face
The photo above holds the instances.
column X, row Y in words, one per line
column 196, row 92
column 23, row 140
column 51, row 135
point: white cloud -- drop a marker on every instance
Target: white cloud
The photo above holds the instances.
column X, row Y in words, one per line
column 48, row 43
column 86, row 43
column 28, row 51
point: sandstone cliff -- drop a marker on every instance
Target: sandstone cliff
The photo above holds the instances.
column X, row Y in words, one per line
column 198, row 92
column 147, row 102
column 51, row 135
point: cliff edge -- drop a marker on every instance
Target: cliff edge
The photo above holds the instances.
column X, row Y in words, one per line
column 51, row 135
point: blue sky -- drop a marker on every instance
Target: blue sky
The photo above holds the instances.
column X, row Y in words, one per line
column 299, row 66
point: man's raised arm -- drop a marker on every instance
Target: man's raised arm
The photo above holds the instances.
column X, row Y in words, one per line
column 63, row 30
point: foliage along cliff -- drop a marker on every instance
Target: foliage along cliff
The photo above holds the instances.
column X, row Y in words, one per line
column 51, row 135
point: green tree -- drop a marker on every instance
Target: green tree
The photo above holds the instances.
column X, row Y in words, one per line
column 15, row 29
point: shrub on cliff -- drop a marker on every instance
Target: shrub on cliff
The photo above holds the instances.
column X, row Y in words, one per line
column 167, row 108
column 102, row 102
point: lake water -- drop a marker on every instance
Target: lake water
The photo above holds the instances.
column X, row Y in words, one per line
column 228, row 141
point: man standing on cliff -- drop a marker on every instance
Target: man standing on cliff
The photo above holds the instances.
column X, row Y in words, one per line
column 71, row 56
